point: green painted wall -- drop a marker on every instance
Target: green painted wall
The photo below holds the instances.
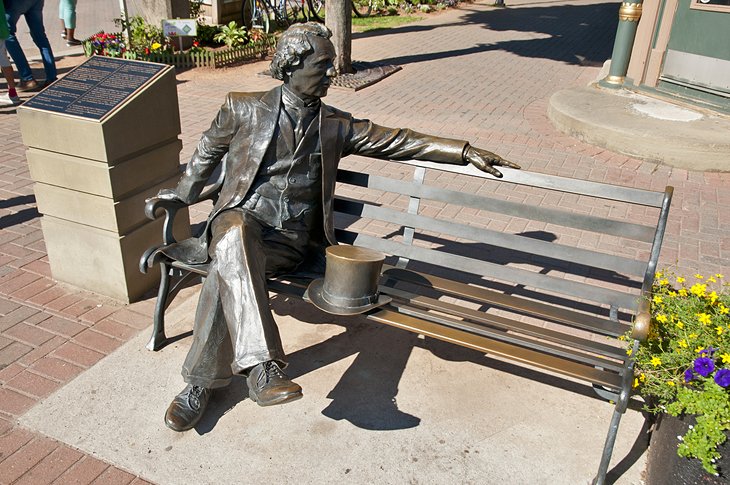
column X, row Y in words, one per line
column 701, row 32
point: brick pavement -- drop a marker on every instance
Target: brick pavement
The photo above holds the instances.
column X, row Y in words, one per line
column 479, row 73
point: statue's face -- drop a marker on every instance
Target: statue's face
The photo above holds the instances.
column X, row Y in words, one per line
column 311, row 78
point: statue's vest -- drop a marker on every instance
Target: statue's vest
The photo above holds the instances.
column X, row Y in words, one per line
column 287, row 190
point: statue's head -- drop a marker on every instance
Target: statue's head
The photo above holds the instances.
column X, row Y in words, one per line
column 304, row 59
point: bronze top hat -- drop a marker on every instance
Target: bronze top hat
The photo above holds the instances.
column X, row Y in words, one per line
column 350, row 283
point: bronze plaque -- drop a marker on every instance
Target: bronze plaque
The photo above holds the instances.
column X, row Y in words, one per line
column 95, row 88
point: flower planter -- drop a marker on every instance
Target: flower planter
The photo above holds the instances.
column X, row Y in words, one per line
column 202, row 58
column 665, row 467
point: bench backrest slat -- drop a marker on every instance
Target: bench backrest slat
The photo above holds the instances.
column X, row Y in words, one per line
column 585, row 244
column 515, row 242
column 544, row 214
column 554, row 182
column 497, row 271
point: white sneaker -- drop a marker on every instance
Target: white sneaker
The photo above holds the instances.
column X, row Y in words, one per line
column 7, row 100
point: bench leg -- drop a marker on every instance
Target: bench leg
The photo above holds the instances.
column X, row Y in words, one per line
column 608, row 448
column 157, row 340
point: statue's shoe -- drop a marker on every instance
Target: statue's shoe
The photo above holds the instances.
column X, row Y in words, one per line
column 187, row 408
column 268, row 385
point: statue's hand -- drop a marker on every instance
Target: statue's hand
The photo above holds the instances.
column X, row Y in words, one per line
column 169, row 194
column 485, row 161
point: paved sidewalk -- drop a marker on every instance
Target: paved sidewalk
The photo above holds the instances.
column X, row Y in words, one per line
column 480, row 73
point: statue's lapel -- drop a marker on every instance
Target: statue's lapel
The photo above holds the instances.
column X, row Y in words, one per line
column 264, row 124
column 331, row 135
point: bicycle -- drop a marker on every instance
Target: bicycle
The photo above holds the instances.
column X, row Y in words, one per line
column 361, row 8
column 259, row 14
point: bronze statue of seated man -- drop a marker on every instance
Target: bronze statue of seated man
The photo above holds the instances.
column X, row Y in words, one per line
column 274, row 213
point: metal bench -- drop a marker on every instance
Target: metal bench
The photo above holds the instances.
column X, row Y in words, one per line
column 538, row 270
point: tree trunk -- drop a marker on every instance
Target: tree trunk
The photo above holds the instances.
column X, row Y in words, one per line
column 338, row 18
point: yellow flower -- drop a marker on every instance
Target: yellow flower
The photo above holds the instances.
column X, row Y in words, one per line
column 683, row 343
column 680, row 280
column 155, row 46
column 658, row 275
column 699, row 276
column 704, row 318
column 670, row 383
column 713, row 297
column 698, row 289
column 656, row 361
column 636, row 383
column 672, row 293
column 664, row 282
column 719, row 330
column 682, row 292
column 719, row 275
column 642, row 377
column 693, row 336
column 723, row 309
column 725, row 358
column 697, row 350
column 657, row 299
column 661, row 318
column 711, row 280
column 629, row 351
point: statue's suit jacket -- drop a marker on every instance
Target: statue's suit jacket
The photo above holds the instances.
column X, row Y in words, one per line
column 244, row 128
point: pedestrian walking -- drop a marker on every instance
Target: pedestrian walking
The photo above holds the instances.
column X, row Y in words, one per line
column 67, row 14
column 32, row 10
column 11, row 97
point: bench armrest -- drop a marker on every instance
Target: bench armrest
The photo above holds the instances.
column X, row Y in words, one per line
column 642, row 321
column 170, row 208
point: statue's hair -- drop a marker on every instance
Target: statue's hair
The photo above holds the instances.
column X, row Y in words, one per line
column 294, row 45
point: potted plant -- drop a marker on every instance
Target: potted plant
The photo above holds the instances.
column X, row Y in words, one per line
column 683, row 367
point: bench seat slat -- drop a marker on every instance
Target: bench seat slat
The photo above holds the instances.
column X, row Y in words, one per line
column 603, row 326
column 543, row 214
column 543, row 347
column 489, row 346
column 487, row 236
column 517, row 327
column 499, row 272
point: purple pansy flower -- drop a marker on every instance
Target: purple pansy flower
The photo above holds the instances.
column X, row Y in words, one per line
column 688, row 375
column 704, row 366
column 722, row 377
column 708, row 352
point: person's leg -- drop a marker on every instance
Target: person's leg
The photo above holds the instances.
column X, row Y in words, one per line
column 69, row 20
column 62, row 16
column 12, row 14
column 34, row 18
column 11, row 98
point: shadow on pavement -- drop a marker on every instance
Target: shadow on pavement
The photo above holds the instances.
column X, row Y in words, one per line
column 574, row 34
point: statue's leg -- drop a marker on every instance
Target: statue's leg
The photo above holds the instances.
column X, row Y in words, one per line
column 244, row 259
column 208, row 363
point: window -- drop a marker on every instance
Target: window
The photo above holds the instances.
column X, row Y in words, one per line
column 713, row 5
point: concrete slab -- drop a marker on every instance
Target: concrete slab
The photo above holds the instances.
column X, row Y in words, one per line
column 644, row 127
column 380, row 406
